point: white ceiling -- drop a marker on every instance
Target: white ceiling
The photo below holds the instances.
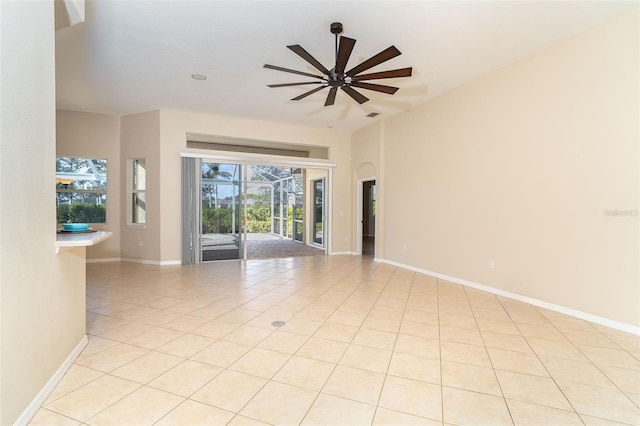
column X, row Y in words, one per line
column 135, row 56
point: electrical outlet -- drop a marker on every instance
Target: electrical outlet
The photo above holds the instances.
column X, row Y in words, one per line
column 491, row 264
column 140, row 243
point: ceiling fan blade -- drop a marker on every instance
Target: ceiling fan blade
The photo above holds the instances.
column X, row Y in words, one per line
column 294, row 84
column 273, row 67
column 310, row 92
column 357, row 96
column 385, row 55
column 331, row 97
column 299, row 50
column 376, row 87
column 402, row 72
column 344, row 52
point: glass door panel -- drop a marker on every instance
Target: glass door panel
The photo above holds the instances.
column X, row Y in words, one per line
column 318, row 211
column 298, row 209
column 222, row 211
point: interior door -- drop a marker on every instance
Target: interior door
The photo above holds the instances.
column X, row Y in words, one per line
column 222, row 198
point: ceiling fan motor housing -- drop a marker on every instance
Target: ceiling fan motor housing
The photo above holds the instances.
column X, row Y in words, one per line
column 336, row 28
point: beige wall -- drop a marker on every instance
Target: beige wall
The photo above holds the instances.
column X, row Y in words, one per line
column 519, row 167
column 174, row 127
column 81, row 134
column 42, row 294
column 140, row 136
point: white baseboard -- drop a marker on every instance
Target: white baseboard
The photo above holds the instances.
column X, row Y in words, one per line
column 152, row 262
column 104, row 260
column 341, row 253
column 46, row 390
column 628, row 328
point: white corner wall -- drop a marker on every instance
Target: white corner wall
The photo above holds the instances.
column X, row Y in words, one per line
column 524, row 167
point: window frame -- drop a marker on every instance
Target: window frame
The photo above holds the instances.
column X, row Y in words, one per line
column 134, row 191
column 99, row 193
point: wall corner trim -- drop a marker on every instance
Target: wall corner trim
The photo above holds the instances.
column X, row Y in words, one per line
column 628, row 328
column 46, row 390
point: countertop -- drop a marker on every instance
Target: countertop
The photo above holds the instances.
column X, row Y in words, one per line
column 82, row 239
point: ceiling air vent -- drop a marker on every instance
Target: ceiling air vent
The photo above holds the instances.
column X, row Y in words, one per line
column 373, row 114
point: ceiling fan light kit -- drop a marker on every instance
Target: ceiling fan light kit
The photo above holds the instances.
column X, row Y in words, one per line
column 337, row 77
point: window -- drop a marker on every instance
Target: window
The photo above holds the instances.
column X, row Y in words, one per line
column 138, row 187
column 81, row 190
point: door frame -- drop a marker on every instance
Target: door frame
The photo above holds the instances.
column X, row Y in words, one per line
column 359, row 212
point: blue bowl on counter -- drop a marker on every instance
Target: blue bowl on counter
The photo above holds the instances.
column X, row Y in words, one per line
column 75, row 226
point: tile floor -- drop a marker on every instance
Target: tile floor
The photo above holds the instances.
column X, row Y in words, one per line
column 364, row 343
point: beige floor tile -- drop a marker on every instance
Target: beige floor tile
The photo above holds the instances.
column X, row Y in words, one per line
column 186, row 345
column 127, row 331
column 186, row 378
column 305, row 372
column 415, row 367
column 556, row 349
column 186, row 323
column 590, row 338
column 248, row 335
column 375, row 338
column 89, row 400
column 526, row 414
column 595, row 421
column 260, row 362
column 601, row 402
column 230, row 390
column 491, row 314
column 532, row 389
column 347, row 318
column 458, row 321
column 626, row 379
column 382, row 323
column 386, row 417
column 472, row 408
column 76, row 377
column 426, row 317
column 334, row 331
column 240, row 315
column 136, row 312
column 147, row 367
column 216, row 329
column 420, row 329
column 221, row 353
column 301, row 326
column 576, row 371
column 284, row 342
column 412, row 397
column 519, row 362
column 495, row 326
column 113, row 357
column 161, row 317
column 145, row 406
column 463, row 353
column 330, row 410
column 96, row 344
column 541, row 331
column 461, row 335
column 280, row 404
column 507, row 342
column 611, row 357
column 470, row 377
column 46, row 417
column 355, row 384
column 162, row 302
column 154, row 338
column 194, row 413
column 246, row 421
column 366, row 358
column 419, row 346
column 323, row 349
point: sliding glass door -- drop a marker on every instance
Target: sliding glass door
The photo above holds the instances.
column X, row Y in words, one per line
column 222, row 211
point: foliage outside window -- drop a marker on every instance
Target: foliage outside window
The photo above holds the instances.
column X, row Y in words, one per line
column 138, row 199
column 81, row 190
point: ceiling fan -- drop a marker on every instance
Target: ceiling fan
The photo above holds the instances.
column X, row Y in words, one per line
column 337, row 77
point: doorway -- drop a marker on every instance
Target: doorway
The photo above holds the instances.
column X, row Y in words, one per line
column 368, row 221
